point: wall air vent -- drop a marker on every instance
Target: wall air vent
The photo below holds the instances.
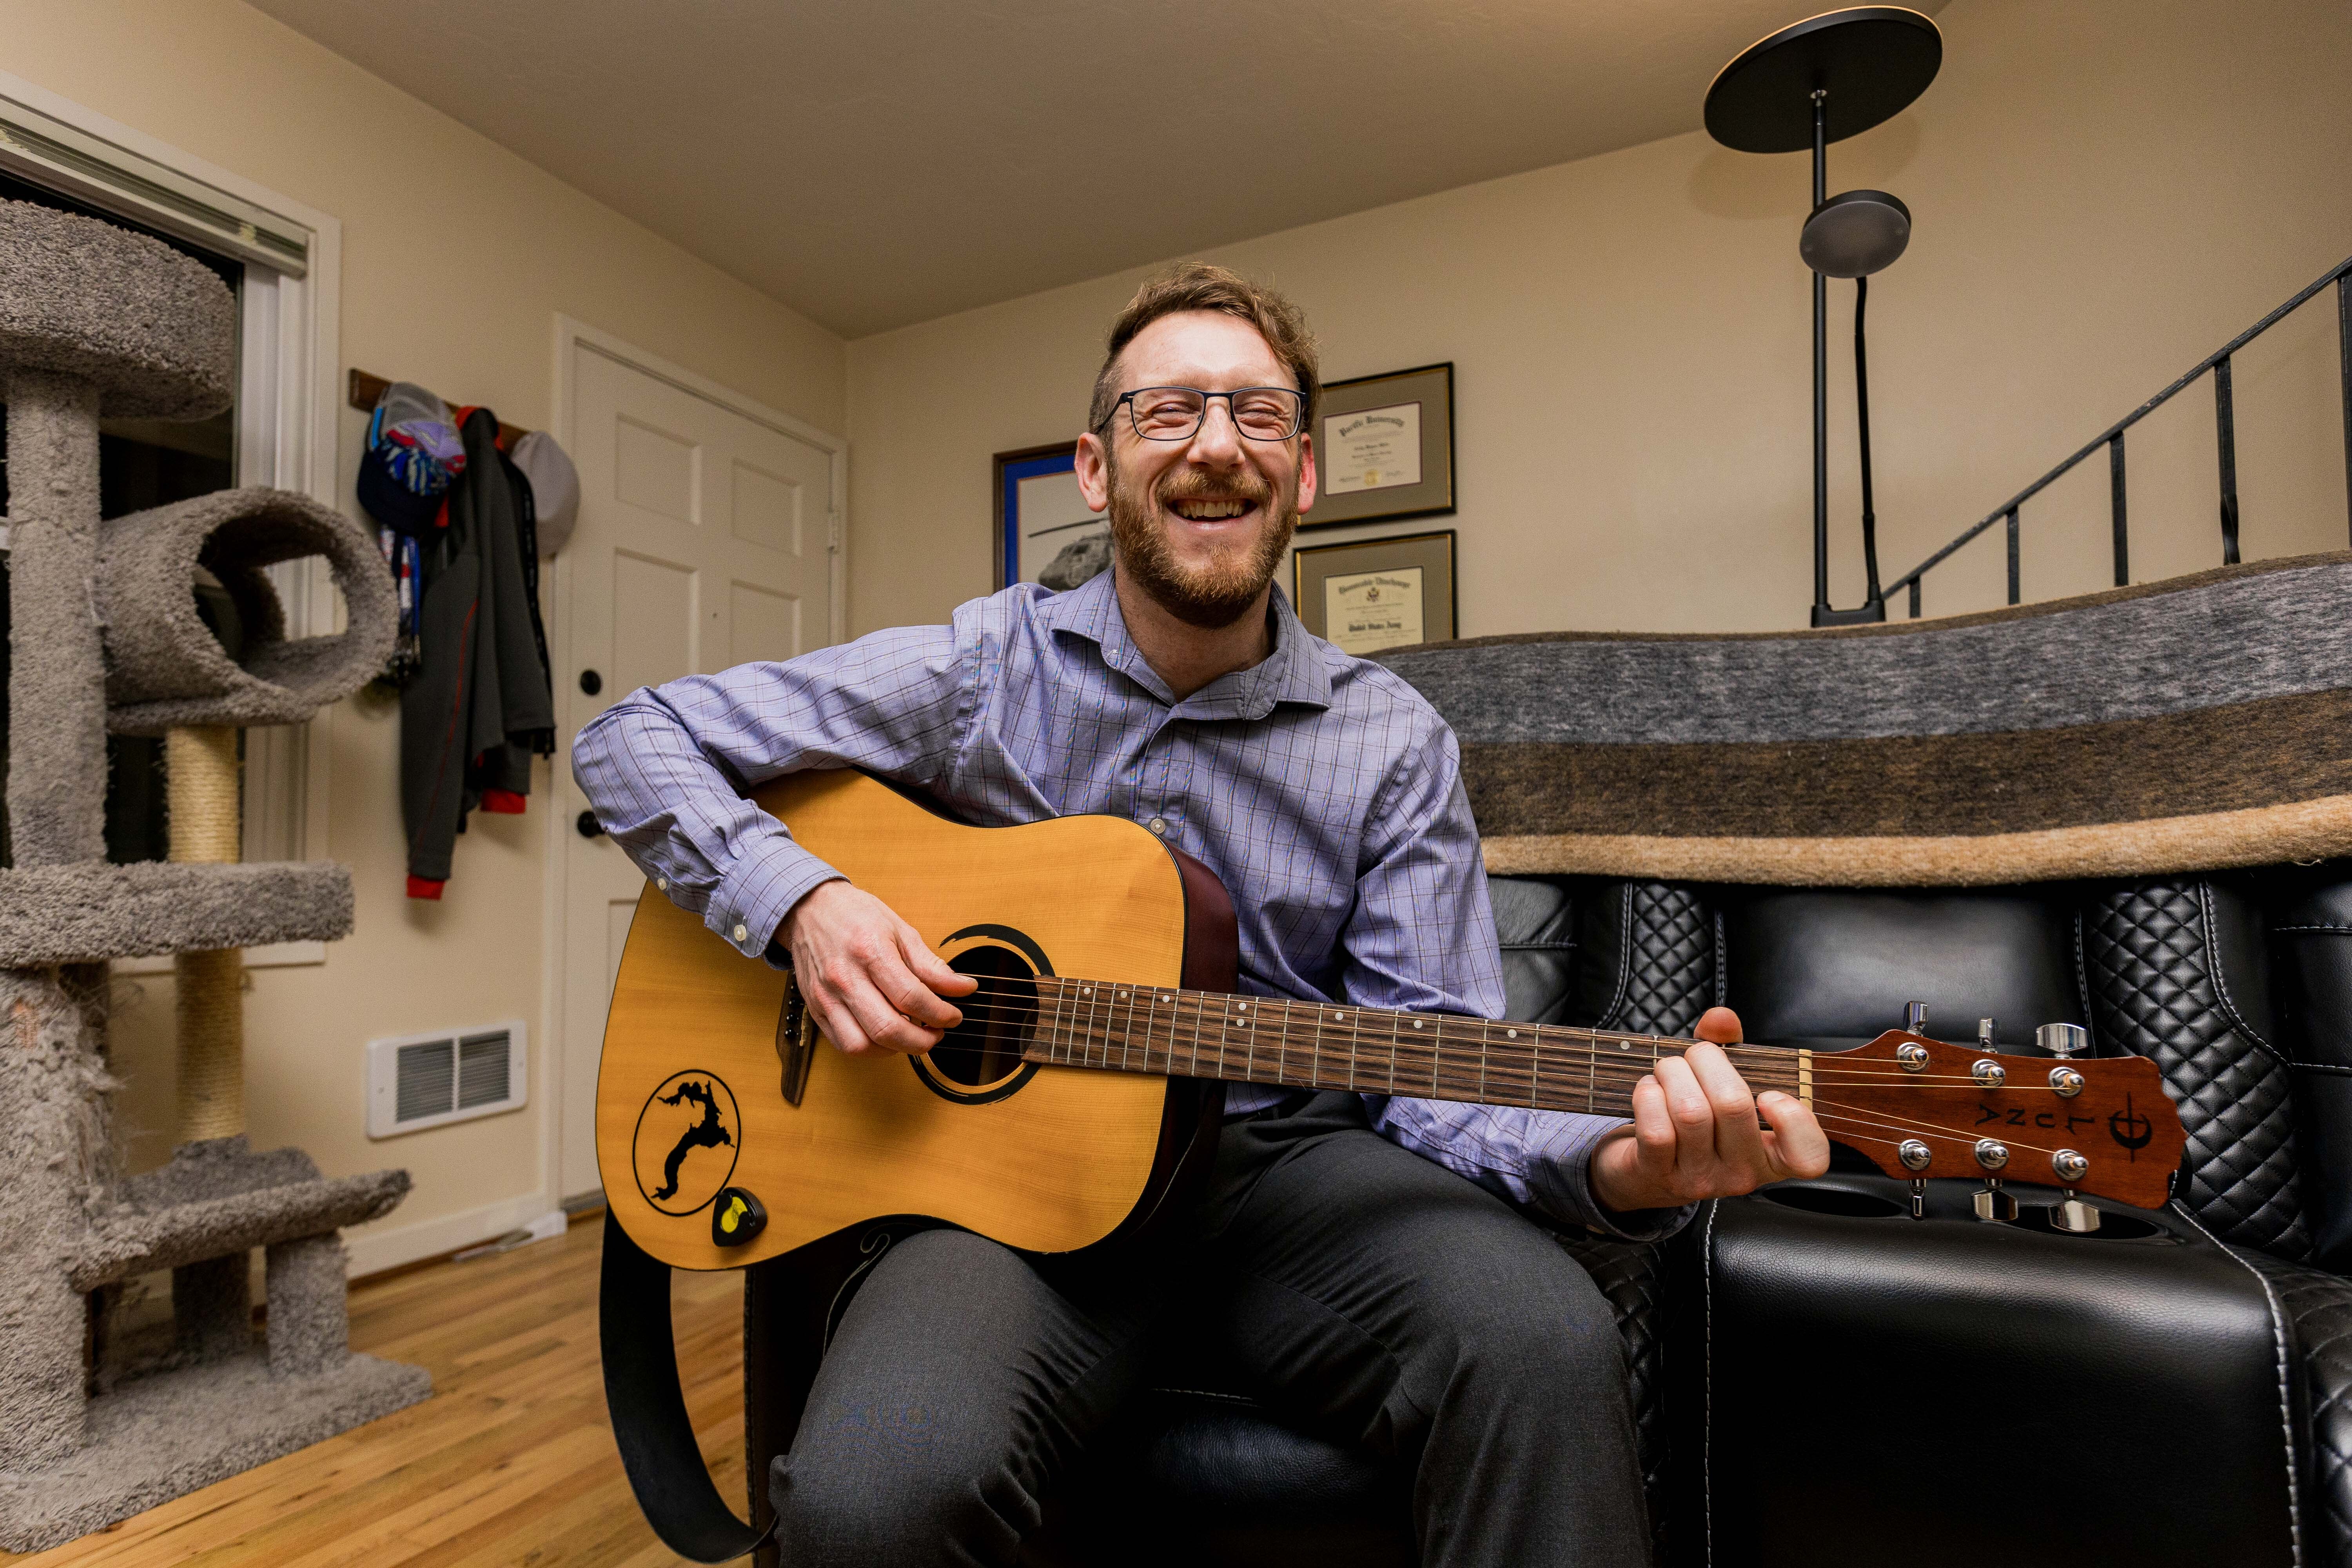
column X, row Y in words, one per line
column 416, row 1081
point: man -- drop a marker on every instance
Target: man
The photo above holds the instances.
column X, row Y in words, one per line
column 1371, row 1294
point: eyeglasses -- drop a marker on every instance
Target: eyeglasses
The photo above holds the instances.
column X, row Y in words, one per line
column 1174, row 412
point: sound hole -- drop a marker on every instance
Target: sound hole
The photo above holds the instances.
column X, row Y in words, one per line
column 998, row 1018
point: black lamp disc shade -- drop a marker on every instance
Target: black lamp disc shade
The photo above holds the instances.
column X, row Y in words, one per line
column 1870, row 60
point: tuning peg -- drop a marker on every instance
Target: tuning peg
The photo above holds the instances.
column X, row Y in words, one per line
column 1917, row 1156
column 1994, row 1204
column 1984, row 1034
column 2062, row 1040
column 2070, row 1214
column 1914, row 1018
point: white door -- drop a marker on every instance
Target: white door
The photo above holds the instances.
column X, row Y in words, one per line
column 706, row 539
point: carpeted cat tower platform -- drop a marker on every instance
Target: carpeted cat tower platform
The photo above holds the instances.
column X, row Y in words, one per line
column 105, row 635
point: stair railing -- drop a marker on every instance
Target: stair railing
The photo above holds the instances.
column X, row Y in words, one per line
column 2111, row 439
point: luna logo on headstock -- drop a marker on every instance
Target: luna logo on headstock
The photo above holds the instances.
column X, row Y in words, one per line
column 2130, row 1130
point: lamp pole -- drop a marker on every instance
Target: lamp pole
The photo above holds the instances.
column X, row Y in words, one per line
column 1821, row 374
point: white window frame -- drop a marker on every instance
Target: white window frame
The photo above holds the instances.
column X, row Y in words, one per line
column 288, row 358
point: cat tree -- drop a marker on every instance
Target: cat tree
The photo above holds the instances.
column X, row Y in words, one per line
column 105, row 637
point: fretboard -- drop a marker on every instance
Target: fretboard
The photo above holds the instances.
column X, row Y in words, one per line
column 1177, row 1033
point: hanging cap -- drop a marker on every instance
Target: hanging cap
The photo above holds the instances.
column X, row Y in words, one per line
column 413, row 455
column 555, row 487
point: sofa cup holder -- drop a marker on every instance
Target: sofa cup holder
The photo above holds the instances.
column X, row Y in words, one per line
column 1875, row 1198
column 1841, row 1202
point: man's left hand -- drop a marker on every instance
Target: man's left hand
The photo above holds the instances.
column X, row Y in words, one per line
column 1696, row 1136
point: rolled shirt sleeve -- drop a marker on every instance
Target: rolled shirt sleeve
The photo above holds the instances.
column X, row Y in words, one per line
column 1422, row 940
column 665, row 768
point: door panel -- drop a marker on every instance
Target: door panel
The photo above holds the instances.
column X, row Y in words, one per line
column 703, row 541
column 655, row 469
column 618, row 914
column 655, row 621
column 766, row 624
column 767, row 508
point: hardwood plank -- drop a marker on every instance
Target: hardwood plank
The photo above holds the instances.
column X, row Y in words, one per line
column 511, row 1460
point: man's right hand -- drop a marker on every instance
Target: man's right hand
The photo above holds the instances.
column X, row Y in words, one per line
column 867, row 975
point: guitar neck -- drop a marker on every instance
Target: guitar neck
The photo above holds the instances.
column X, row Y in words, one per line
column 1177, row 1033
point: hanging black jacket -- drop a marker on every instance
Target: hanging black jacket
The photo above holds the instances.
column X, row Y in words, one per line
column 479, row 706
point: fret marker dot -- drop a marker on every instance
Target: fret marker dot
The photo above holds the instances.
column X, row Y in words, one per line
column 1513, row 1032
column 1339, row 1017
column 1624, row 1045
column 1416, row 1025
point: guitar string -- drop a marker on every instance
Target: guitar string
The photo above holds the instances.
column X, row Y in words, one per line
column 1024, row 1007
column 1930, row 1129
column 1010, row 999
column 1019, row 1005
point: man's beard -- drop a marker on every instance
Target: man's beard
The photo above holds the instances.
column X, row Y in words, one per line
column 1216, row 595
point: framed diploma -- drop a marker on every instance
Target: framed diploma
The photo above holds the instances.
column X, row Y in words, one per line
column 1384, row 447
column 1045, row 532
column 1369, row 595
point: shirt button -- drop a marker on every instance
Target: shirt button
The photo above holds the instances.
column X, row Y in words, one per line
column 1160, row 826
column 742, row 933
column 662, row 883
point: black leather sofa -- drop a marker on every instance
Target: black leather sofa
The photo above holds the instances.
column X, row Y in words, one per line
column 1822, row 1379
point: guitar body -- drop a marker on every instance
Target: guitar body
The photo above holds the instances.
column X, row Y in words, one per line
column 692, row 1093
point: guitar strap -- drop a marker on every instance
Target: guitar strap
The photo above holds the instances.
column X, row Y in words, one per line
column 665, row 1465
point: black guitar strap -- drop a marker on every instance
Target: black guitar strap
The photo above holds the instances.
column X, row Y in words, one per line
column 648, row 1409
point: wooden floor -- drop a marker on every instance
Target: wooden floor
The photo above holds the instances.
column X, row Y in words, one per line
column 510, row 1461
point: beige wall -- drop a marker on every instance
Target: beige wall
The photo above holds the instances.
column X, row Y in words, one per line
column 458, row 255
column 2103, row 191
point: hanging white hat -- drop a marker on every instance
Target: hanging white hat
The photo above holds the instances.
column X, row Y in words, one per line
column 555, row 487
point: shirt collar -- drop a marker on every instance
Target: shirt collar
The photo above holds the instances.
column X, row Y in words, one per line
column 1293, row 672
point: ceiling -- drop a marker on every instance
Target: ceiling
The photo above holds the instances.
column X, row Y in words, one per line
column 886, row 162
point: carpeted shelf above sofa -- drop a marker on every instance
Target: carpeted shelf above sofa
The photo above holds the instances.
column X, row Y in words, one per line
column 2189, row 724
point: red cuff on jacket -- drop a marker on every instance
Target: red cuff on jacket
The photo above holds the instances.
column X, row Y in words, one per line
column 504, row 802
column 425, row 887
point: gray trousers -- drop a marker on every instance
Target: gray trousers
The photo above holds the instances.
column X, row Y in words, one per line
column 1370, row 1295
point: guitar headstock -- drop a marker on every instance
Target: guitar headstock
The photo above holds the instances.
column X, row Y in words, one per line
column 1916, row 1107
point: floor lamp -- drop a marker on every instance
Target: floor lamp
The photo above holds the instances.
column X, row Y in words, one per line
column 1818, row 81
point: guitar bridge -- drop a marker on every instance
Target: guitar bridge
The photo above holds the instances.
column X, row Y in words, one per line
column 795, row 1040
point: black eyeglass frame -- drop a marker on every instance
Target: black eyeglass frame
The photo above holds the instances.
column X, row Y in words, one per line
column 1297, row 415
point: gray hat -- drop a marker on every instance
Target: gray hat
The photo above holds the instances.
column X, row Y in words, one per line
column 555, row 487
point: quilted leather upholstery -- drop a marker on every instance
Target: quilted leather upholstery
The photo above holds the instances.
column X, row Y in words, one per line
column 1646, row 958
column 2319, row 1306
column 2154, row 959
column 1631, row 1277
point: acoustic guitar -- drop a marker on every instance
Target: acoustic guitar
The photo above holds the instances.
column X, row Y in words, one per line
column 1091, row 1057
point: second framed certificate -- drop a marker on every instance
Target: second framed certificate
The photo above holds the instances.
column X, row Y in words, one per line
column 1373, row 594
column 1384, row 447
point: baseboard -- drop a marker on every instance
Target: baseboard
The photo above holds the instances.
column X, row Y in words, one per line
column 374, row 1251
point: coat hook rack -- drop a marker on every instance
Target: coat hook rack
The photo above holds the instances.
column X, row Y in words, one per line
column 367, row 390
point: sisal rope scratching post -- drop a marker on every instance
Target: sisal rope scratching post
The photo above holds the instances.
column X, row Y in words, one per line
column 202, row 785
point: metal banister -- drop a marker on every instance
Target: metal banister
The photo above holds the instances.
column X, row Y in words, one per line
column 2112, row 437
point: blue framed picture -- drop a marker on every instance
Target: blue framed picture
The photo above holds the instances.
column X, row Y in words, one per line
column 1045, row 532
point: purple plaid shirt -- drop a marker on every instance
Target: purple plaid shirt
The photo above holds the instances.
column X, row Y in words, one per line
column 1323, row 790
